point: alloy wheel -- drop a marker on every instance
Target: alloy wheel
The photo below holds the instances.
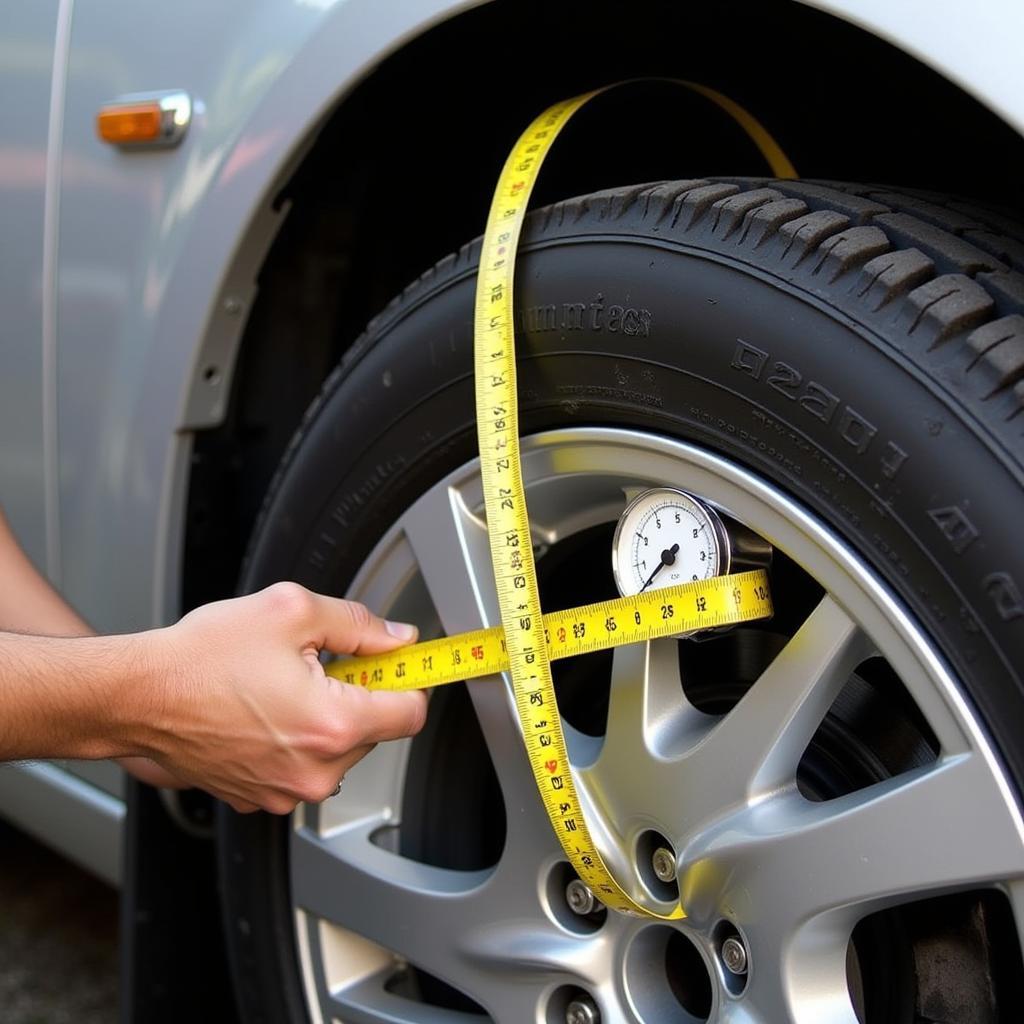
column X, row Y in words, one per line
column 788, row 832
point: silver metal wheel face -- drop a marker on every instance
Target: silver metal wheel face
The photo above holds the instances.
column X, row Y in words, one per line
column 789, row 876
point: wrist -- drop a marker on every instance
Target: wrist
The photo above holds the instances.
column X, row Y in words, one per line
column 113, row 683
column 137, row 716
column 70, row 697
column 113, row 689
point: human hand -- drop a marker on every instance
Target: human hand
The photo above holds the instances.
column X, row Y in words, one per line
column 243, row 709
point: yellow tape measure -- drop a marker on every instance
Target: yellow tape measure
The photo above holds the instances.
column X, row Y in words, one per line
column 528, row 641
column 508, row 524
column 685, row 608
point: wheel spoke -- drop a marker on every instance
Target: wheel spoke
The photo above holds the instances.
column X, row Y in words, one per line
column 529, row 833
column 649, row 719
column 801, row 874
column 756, row 748
column 805, row 986
column 367, row 1001
column 440, row 920
column 450, row 547
column 512, row 947
column 648, row 711
column 416, row 910
column 910, row 836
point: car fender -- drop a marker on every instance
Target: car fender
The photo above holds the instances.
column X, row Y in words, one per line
column 149, row 285
column 147, row 332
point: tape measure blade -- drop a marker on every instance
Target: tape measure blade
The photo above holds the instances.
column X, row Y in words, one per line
column 505, row 502
column 567, row 633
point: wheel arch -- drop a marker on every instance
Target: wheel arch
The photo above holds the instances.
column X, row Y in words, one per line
column 295, row 235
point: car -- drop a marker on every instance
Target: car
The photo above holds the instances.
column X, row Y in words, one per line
column 216, row 374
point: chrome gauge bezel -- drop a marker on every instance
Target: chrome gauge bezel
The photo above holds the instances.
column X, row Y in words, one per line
column 714, row 521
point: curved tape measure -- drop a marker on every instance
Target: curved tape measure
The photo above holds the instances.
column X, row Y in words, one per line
column 528, row 640
column 505, row 500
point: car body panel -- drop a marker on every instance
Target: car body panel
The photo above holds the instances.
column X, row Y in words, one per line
column 81, row 820
column 128, row 276
column 26, row 70
column 146, row 240
column 972, row 45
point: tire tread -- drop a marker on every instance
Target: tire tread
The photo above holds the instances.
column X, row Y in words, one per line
column 942, row 277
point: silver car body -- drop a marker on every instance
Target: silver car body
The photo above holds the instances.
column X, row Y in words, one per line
column 127, row 276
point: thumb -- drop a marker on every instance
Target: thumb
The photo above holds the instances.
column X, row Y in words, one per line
column 348, row 627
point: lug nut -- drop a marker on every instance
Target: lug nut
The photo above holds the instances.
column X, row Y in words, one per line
column 664, row 863
column 582, row 1010
column 734, row 955
column 579, row 897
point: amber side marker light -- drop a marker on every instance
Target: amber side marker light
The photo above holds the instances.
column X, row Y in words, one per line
column 138, row 123
column 145, row 119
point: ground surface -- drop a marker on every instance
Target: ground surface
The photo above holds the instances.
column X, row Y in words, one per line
column 58, row 938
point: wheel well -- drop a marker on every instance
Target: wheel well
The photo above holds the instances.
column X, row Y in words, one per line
column 400, row 174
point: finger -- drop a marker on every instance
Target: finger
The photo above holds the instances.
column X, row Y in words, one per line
column 371, row 716
column 325, row 781
column 236, row 803
column 247, row 799
column 271, row 799
column 348, row 627
column 150, row 772
column 351, row 759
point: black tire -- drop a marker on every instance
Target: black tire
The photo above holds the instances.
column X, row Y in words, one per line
column 861, row 348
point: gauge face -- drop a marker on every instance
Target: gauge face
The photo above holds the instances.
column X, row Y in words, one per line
column 667, row 537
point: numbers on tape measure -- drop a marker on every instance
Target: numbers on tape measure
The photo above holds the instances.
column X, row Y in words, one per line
column 567, row 633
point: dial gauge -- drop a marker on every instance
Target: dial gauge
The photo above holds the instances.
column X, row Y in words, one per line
column 665, row 537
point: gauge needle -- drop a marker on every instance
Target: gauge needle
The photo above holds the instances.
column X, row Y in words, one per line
column 668, row 557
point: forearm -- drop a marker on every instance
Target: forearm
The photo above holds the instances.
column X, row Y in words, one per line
column 232, row 698
column 73, row 697
column 28, row 604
